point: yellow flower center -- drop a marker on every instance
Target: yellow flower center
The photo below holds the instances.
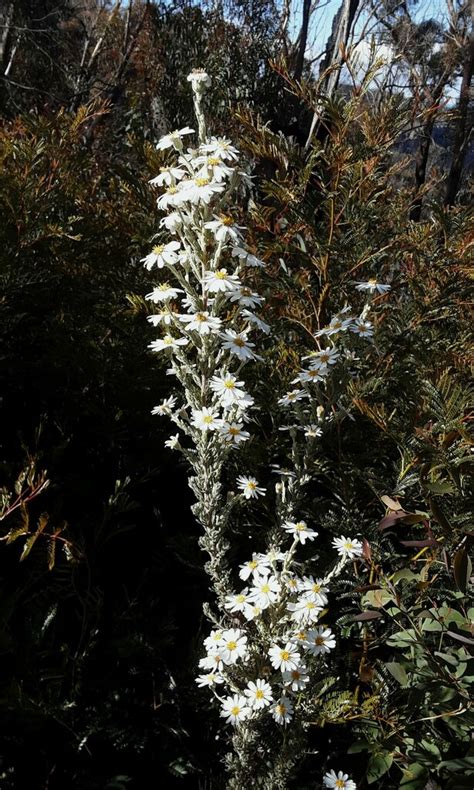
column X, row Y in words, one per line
column 201, row 317
column 252, row 564
column 265, row 588
column 235, row 710
column 259, row 694
column 372, row 281
column 221, row 274
column 340, row 783
column 201, row 182
column 229, row 385
column 348, row 546
column 213, row 161
column 281, row 710
column 231, row 645
column 300, row 526
column 158, row 249
column 301, row 635
column 168, row 340
column 172, row 190
column 163, row 286
column 225, row 220
column 284, row 655
column 240, row 598
column 208, row 419
column 251, row 485
column 310, row 605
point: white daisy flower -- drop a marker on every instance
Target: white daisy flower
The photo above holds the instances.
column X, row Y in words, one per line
column 201, row 322
column 319, row 640
column 213, row 661
column 200, row 190
column 173, row 442
column 292, row 397
column 362, row 328
column 347, row 547
column 168, row 341
column 245, row 297
column 174, row 221
column 228, row 389
column 291, row 582
column 300, row 637
column 166, row 407
column 162, row 255
column 339, row 781
column 259, row 565
column 255, row 320
column 168, row 176
column 259, row 694
column 237, row 602
column 249, row 487
column 223, row 228
column 218, row 146
column 265, row 591
column 311, row 376
column 220, row 281
column 322, row 359
column 172, row 197
column 173, row 139
column 296, row 679
column 300, row 530
column 211, row 679
column 233, row 432
column 234, row 645
column 313, row 588
column 337, row 324
column 213, row 167
column 238, row 344
column 284, row 658
column 235, row 709
column 282, row 710
column 165, row 317
column 373, row 285
column 205, row 419
column 312, row 431
column 305, row 610
column 163, row 293
column 214, row 640
column 274, row 555
column 246, row 258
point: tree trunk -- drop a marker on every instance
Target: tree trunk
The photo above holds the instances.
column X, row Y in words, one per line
column 463, row 129
column 421, row 160
column 302, row 40
column 341, row 30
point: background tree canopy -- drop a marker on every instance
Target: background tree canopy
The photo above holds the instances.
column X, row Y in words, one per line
column 361, row 168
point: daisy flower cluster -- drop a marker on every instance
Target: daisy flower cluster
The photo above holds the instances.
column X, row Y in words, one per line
column 270, row 639
column 268, row 662
column 333, row 350
column 206, row 311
